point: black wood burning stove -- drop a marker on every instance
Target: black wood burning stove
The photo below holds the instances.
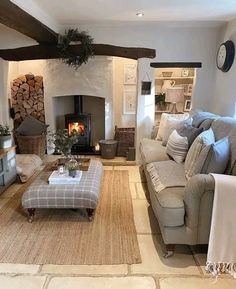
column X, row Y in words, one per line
column 82, row 124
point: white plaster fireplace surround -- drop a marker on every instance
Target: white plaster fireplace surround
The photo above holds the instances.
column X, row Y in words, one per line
column 94, row 78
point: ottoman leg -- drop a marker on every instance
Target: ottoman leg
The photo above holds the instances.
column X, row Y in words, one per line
column 31, row 213
column 90, row 213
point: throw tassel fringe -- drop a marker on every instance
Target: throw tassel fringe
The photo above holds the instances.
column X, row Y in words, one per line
column 158, row 186
column 216, row 268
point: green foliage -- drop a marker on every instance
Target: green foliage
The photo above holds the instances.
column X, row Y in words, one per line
column 72, row 165
column 160, row 99
column 72, row 36
column 62, row 141
column 4, row 130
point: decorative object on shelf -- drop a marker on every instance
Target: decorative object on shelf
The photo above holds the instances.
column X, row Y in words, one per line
column 129, row 102
column 130, row 73
column 190, row 88
column 72, row 167
column 5, row 137
column 62, row 141
column 160, row 101
column 167, row 73
column 185, row 72
column 73, row 36
column 166, row 84
column 225, row 56
column 174, row 95
column 187, row 105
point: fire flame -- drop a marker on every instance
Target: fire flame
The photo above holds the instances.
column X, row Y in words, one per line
column 78, row 126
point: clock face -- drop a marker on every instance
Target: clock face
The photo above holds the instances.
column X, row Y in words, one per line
column 225, row 56
column 221, row 56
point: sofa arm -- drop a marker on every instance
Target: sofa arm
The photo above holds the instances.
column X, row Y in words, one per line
column 198, row 200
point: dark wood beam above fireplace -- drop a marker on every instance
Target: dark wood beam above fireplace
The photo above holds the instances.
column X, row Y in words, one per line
column 14, row 17
column 51, row 52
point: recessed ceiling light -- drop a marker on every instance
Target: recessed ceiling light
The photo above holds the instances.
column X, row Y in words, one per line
column 140, row 14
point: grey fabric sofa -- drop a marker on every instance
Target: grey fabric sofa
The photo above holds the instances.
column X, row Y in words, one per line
column 184, row 212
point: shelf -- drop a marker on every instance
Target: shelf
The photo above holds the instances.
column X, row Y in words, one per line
column 161, row 111
column 175, row 77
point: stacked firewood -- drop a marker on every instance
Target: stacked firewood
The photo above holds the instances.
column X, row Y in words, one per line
column 27, row 98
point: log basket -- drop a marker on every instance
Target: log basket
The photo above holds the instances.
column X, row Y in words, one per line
column 31, row 144
column 125, row 138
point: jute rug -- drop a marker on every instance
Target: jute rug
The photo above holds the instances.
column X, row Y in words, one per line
column 66, row 237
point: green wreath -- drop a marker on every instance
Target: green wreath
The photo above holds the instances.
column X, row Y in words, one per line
column 68, row 57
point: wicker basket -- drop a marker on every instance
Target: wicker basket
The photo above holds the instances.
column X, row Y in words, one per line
column 125, row 138
column 31, row 144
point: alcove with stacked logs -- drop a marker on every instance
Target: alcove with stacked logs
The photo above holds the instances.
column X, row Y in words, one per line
column 27, row 94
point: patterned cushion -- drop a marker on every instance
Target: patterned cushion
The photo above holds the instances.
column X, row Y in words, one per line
column 205, row 138
column 163, row 120
column 83, row 195
column 177, row 147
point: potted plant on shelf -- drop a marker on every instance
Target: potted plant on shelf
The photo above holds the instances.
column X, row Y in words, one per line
column 62, row 141
column 5, row 137
column 160, row 101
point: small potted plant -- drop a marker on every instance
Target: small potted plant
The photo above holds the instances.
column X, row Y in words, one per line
column 62, row 141
column 72, row 166
column 160, row 101
column 5, row 137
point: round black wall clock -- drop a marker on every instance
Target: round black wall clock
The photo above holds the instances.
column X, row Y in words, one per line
column 225, row 56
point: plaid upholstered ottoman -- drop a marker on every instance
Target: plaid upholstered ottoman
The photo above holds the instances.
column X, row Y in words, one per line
column 83, row 195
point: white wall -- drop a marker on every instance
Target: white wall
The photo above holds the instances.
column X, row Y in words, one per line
column 178, row 41
column 121, row 119
column 4, row 108
column 93, row 79
column 224, row 99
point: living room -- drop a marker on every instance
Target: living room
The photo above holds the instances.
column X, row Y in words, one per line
column 141, row 36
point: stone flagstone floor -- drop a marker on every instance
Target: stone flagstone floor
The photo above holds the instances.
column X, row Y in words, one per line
column 185, row 270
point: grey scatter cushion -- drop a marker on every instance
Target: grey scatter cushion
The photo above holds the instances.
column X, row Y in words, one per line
column 190, row 132
column 217, row 157
column 199, row 117
column 192, row 162
column 30, row 126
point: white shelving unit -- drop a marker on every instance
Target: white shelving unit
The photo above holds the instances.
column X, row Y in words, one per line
column 177, row 76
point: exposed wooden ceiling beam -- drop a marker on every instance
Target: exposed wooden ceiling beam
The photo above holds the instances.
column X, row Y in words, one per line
column 14, row 17
column 51, row 52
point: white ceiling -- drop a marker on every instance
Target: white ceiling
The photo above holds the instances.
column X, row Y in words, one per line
column 77, row 11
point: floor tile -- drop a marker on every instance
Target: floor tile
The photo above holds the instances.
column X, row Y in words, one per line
column 86, row 269
column 133, row 190
column 196, row 283
column 19, row 282
column 153, row 261
column 200, row 254
column 102, row 283
column 18, row 268
column 144, row 218
column 142, row 192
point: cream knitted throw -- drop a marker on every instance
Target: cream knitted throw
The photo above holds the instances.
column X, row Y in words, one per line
column 221, row 257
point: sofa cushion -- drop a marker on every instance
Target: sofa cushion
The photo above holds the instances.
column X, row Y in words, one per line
column 204, row 139
column 213, row 158
column 170, row 207
column 152, row 151
column 199, row 117
column 30, row 126
column 177, row 147
column 164, row 117
column 190, row 132
column 171, row 125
